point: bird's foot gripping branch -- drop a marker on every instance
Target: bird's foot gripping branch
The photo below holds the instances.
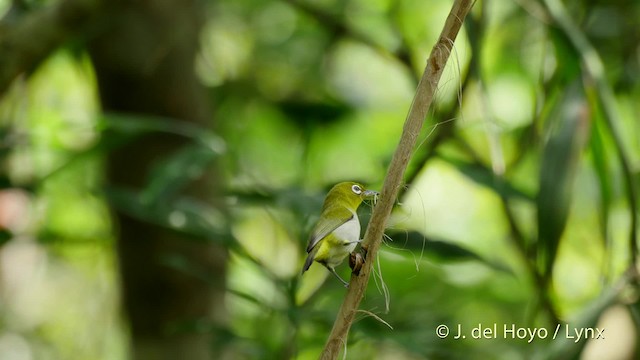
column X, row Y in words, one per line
column 356, row 260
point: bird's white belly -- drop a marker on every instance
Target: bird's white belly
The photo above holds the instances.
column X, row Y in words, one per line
column 347, row 233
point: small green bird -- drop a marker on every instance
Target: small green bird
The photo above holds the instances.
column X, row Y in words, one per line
column 337, row 232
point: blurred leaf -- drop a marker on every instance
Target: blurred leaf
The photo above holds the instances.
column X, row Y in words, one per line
column 569, row 124
column 176, row 171
column 187, row 266
column 5, row 236
column 183, row 215
column 5, row 182
column 442, row 250
column 634, row 311
column 262, row 303
column 136, row 125
column 182, row 167
column 601, row 165
column 566, row 348
column 6, row 135
column 313, row 114
column 294, row 199
column 484, row 176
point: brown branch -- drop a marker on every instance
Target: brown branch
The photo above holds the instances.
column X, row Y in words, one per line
column 393, row 181
column 26, row 41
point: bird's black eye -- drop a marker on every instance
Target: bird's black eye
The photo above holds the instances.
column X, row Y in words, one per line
column 356, row 189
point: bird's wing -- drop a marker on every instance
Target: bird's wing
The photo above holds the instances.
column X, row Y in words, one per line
column 324, row 227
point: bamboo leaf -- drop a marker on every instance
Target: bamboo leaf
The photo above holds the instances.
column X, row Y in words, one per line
column 184, row 215
column 569, row 126
column 294, row 199
column 564, row 347
column 178, row 170
column 442, row 250
column 602, row 166
column 136, row 125
column 5, row 236
column 485, row 177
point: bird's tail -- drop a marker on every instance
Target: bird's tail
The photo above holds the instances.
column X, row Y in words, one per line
column 309, row 261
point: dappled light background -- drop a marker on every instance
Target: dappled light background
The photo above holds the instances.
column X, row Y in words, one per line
column 517, row 207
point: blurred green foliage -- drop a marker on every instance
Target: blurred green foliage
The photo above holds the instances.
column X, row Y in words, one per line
column 518, row 207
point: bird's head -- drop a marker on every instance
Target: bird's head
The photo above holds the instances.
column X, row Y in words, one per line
column 350, row 194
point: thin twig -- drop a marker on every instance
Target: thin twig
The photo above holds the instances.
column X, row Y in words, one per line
column 369, row 313
column 393, row 181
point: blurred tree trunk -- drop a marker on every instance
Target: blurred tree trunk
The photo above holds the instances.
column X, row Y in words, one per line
column 144, row 60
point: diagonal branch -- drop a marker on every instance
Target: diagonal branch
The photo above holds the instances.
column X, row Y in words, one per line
column 393, row 181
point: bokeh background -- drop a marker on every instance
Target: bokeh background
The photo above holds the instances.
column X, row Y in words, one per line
column 162, row 163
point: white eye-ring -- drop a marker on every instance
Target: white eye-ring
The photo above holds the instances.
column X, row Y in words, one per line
column 356, row 189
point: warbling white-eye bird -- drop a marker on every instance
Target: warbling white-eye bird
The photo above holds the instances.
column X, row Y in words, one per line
column 337, row 232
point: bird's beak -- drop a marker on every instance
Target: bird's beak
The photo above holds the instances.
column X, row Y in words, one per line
column 370, row 194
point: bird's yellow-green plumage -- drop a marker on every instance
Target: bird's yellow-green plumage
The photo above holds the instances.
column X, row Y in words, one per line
column 337, row 232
